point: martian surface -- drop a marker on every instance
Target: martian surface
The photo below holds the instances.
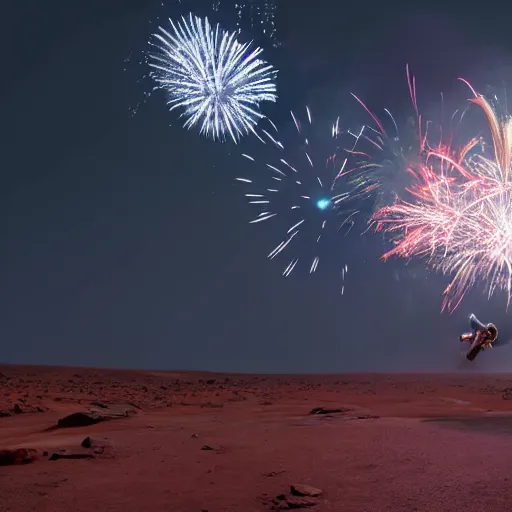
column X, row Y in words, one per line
column 79, row 439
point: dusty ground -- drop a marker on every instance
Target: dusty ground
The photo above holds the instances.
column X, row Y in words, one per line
column 411, row 443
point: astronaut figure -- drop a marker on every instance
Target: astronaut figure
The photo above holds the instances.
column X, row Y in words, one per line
column 481, row 337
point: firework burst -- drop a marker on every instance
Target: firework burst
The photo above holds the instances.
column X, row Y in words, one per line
column 459, row 215
column 218, row 81
column 303, row 186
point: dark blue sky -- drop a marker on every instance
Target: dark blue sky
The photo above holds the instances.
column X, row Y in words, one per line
column 125, row 242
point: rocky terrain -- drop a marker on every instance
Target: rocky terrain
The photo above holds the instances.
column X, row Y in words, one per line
column 115, row 440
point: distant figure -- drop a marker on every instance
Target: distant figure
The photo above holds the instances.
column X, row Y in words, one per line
column 481, row 338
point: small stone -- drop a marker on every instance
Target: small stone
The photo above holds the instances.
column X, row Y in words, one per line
column 98, row 445
column 206, row 447
column 305, row 490
column 86, row 443
column 57, row 456
column 324, row 410
column 273, row 473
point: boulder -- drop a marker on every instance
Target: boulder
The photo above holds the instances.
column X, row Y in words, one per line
column 105, row 412
column 17, row 456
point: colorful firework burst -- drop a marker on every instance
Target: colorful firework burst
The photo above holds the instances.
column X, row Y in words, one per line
column 218, row 81
column 459, row 215
column 303, row 187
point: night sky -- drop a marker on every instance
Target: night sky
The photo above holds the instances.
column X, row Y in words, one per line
column 126, row 242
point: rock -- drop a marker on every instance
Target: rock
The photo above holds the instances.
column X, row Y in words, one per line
column 213, row 405
column 507, row 394
column 18, row 456
column 101, row 405
column 121, row 410
column 290, row 503
column 21, row 408
column 206, row 447
column 302, row 497
column 194, row 436
column 273, row 473
column 323, row 410
column 86, row 418
column 57, row 456
column 305, row 490
column 79, row 419
column 86, row 443
column 294, row 503
column 17, row 409
column 5, row 414
column 98, row 445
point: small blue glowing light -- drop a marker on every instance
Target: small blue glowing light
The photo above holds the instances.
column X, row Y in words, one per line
column 323, row 204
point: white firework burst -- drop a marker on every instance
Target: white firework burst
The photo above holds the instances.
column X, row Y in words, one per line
column 218, row 81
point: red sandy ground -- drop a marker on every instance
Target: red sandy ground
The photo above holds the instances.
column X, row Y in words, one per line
column 384, row 454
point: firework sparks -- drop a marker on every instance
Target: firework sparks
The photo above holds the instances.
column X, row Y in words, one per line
column 382, row 154
column 259, row 15
column 218, row 81
column 304, row 189
column 459, row 216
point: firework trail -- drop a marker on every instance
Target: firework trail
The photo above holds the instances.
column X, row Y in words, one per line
column 379, row 161
column 218, row 81
column 304, row 188
column 459, row 215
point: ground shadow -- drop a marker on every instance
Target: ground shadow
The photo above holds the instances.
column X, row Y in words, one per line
column 487, row 424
